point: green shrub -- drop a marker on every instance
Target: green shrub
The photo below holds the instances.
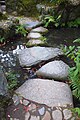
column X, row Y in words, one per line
column 21, row 30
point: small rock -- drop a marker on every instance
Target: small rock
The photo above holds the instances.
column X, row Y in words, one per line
column 41, row 111
column 47, row 116
column 34, row 36
column 67, row 114
column 40, row 30
column 32, row 107
column 27, row 115
column 25, row 102
column 16, row 99
column 57, row 115
column 35, row 118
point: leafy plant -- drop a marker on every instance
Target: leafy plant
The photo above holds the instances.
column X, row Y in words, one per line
column 76, row 111
column 74, row 72
column 21, row 30
column 2, row 39
column 52, row 19
column 12, row 80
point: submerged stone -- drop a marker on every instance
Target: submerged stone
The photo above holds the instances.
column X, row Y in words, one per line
column 34, row 55
column 49, row 92
column 55, row 69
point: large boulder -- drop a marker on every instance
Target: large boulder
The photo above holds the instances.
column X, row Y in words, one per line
column 47, row 92
column 55, row 69
column 34, row 55
column 3, row 83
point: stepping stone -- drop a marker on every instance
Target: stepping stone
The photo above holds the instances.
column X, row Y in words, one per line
column 32, row 24
column 55, row 69
column 34, row 42
column 34, row 35
column 40, row 30
column 34, row 55
column 48, row 92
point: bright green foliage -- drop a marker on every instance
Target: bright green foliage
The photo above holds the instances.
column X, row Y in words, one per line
column 76, row 111
column 52, row 19
column 21, row 30
column 12, row 80
column 74, row 73
column 2, row 39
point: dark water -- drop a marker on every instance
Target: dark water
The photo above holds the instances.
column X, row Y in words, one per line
column 64, row 36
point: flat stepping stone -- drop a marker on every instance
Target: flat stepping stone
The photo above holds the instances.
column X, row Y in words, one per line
column 40, row 30
column 34, row 35
column 32, row 24
column 34, row 42
column 34, row 55
column 49, row 92
column 55, row 69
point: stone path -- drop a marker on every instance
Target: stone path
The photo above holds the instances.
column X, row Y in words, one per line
column 27, row 110
column 41, row 99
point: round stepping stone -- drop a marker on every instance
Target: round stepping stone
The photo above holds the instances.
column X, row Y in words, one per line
column 40, row 30
column 51, row 93
column 47, row 116
column 34, row 35
column 33, row 42
column 55, row 69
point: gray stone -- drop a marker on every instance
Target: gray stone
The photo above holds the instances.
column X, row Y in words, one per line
column 67, row 114
column 34, row 35
column 32, row 24
column 47, row 92
column 3, row 83
column 47, row 116
column 27, row 115
column 41, row 111
column 32, row 56
column 55, row 69
column 33, row 42
column 57, row 115
column 35, row 118
column 40, row 30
